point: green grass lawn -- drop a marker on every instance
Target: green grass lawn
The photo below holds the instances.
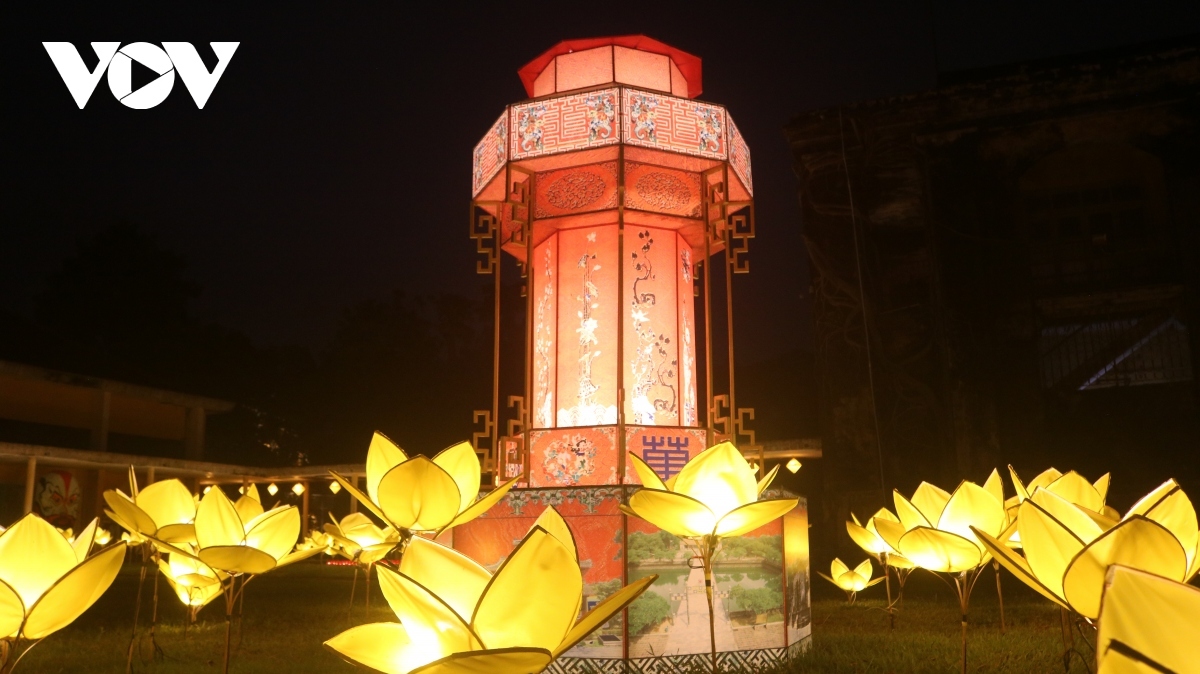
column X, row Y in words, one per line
column 289, row 613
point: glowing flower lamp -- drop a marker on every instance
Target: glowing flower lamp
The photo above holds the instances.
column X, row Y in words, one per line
column 714, row 496
column 937, row 532
column 422, row 495
column 1068, row 551
column 164, row 510
column 851, row 582
column 867, row 537
column 1147, row 624
column 457, row 617
column 194, row 582
column 48, row 582
column 243, row 541
column 358, row 539
column 1071, row 486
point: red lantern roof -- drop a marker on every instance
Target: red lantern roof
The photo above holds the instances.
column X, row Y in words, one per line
column 688, row 65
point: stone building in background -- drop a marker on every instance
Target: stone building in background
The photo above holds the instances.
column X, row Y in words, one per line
column 1028, row 244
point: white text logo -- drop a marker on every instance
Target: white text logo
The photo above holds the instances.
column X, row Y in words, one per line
column 118, row 61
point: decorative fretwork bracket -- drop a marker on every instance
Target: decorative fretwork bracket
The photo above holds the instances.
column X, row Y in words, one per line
column 721, row 424
column 484, row 229
column 482, row 439
column 750, row 448
column 738, row 234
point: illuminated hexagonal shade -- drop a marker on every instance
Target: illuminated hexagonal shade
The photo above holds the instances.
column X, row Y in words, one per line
column 298, row 488
column 793, row 465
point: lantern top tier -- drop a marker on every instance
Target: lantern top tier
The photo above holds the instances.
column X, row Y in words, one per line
column 635, row 60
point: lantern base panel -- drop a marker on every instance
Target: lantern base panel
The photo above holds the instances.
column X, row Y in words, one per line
column 761, row 583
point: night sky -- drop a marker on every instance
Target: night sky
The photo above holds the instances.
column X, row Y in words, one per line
column 332, row 162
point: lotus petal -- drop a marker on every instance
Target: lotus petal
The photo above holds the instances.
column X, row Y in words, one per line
column 719, row 477
column 484, row 504
column 1101, row 486
column 851, row 582
column 673, row 512
column 747, row 518
column 177, row 533
column 237, row 559
column 128, row 512
column 167, row 502
column 419, row 495
column 767, row 479
column 602, row 613
column 275, row 533
column 930, row 500
column 430, row 622
column 897, row 561
column 1017, row 564
column 382, row 456
column 455, row 578
column 556, row 526
column 83, row 542
column 1079, row 520
column 646, row 474
column 1147, row 623
column 891, row 532
column 1044, row 479
column 383, row 647
column 865, row 569
column 217, row 521
column 359, row 496
column 12, row 611
column 838, row 568
column 1176, row 513
column 972, row 505
column 462, row 464
column 247, row 507
column 516, row 612
column 1049, row 545
column 298, row 556
column 74, row 593
column 1072, row 487
column 936, row 550
column 909, row 515
column 995, row 486
column 33, row 556
column 866, row 540
column 1137, row 542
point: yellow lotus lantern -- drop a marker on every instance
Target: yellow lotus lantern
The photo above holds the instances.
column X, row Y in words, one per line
column 867, row 537
column 1068, row 551
column 714, row 496
column 163, row 510
column 48, row 582
column 851, row 582
column 1071, row 486
column 937, row 532
column 1147, row 624
column 318, row 540
column 455, row 617
column 194, row 582
column 358, row 539
column 422, row 495
column 242, row 540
